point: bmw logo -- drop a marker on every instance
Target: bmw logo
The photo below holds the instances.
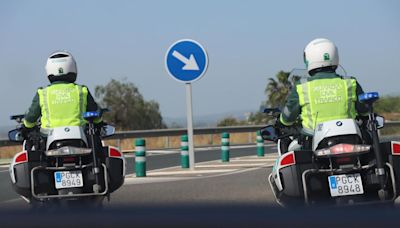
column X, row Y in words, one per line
column 66, row 129
column 339, row 123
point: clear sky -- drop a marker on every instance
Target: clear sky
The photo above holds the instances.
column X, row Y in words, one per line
column 247, row 42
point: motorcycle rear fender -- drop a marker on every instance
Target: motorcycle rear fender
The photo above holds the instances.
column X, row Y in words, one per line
column 65, row 133
column 335, row 128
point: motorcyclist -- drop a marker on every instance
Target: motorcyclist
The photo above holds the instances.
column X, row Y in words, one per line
column 325, row 95
column 63, row 102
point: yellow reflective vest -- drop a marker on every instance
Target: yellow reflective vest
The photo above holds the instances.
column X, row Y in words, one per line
column 62, row 105
column 321, row 100
column 326, row 99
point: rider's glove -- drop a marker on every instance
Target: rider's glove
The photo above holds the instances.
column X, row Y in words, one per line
column 279, row 127
column 25, row 131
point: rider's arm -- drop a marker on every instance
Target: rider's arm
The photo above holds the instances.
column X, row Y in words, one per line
column 361, row 108
column 92, row 106
column 33, row 113
column 291, row 110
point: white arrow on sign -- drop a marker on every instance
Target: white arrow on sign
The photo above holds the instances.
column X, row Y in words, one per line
column 190, row 64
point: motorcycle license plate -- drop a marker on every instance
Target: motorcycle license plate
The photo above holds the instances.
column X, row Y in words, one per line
column 68, row 179
column 346, row 184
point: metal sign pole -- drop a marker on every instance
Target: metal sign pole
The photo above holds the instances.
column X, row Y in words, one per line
column 186, row 61
column 189, row 112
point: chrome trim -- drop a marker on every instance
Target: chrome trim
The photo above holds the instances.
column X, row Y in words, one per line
column 393, row 181
column 273, row 191
column 303, row 179
column 67, row 196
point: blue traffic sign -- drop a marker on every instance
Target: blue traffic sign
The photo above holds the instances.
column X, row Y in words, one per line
column 186, row 61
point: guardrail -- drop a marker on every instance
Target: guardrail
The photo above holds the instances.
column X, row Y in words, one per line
column 182, row 131
column 168, row 132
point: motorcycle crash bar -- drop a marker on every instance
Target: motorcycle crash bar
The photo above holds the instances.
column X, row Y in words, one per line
column 68, row 150
column 342, row 150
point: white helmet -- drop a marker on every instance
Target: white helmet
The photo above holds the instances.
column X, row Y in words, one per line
column 61, row 66
column 320, row 53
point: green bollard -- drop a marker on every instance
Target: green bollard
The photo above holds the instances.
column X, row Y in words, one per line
column 260, row 145
column 140, row 157
column 225, row 147
column 184, row 151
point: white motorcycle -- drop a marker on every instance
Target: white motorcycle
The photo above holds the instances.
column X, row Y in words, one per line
column 343, row 163
column 67, row 165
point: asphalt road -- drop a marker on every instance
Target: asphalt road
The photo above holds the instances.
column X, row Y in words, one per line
column 248, row 186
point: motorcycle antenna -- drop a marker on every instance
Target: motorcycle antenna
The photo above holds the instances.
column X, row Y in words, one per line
column 316, row 121
column 344, row 71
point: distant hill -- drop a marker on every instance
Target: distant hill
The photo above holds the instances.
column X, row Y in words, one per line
column 209, row 120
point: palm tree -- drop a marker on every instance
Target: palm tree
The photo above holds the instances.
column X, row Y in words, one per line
column 278, row 90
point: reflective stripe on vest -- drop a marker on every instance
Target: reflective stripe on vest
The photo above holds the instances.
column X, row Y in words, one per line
column 62, row 105
column 326, row 99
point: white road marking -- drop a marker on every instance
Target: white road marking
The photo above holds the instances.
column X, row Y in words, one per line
column 245, row 165
column 162, row 151
column 255, row 160
column 12, row 200
column 143, row 180
column 190, row 172
column 146, row 180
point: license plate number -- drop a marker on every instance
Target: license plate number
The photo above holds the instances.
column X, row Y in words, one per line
column 68, row 179
column 346, row 184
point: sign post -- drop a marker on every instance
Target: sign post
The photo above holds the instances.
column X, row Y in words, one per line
column 186, row 61
column 189, row 118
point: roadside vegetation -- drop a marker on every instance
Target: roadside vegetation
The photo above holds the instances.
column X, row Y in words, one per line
column 128, row 109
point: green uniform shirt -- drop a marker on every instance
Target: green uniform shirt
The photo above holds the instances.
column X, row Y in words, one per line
column 322, row 97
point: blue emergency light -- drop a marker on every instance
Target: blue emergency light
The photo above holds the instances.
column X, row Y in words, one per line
column 368, row 97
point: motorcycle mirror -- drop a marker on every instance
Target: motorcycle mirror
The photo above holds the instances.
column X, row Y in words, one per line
column 15, row 136
column 269, row 133
column 108, row 130
column 380, row 121
column 272, row 111
column 17, row 118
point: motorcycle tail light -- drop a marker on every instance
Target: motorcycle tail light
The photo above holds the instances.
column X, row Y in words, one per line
column 21, row 157
column 68, row 150
column 396, row 148
column 342, row 149
column 114, row 152
column 287, row 159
